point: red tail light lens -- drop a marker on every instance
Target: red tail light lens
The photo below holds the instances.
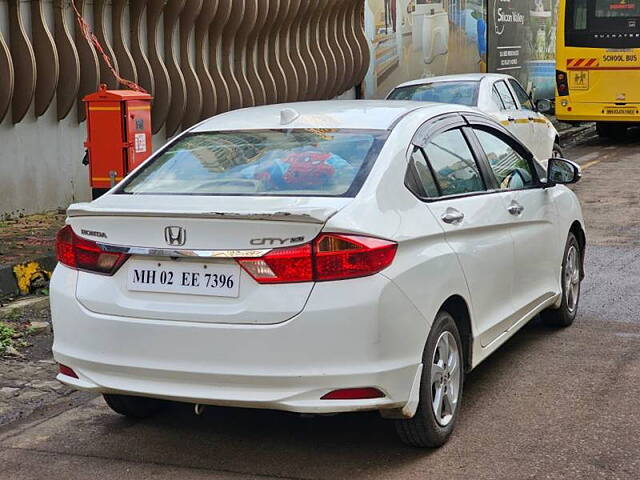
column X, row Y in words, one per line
column 348, row 256
column 281, row 265
column 64, row 370
column 353, row 394
column 562, row 83
column 81, row 254
column 329, row 257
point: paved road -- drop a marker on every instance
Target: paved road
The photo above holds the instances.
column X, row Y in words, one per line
column 549, row 404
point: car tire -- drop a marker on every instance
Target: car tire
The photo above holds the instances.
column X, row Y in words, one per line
column 564, row 316
column 557, row 151
column 427, row 428
column 134, row 407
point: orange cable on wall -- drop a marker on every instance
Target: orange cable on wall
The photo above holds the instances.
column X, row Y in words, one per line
column 93, row 40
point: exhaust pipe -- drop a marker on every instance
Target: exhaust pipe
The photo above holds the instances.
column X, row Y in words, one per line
column 198, row 409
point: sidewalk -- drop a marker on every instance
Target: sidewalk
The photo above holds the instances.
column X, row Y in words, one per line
column 27, row 369
column 27, row 253
column 571, row 134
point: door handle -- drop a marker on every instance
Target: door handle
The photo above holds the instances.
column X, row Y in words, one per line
column 511, row 119
column 532, row 119
column 515, row 208
column 452, row 216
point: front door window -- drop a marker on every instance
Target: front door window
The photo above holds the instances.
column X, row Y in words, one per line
column 512, row 170
column 453, row 164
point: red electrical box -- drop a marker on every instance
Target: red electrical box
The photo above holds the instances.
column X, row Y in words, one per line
column 118, row 135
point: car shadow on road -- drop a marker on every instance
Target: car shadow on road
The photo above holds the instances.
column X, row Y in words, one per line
column 283, row 444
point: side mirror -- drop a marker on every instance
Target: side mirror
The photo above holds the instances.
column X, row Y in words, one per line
column 544, row 106
column 563, row 171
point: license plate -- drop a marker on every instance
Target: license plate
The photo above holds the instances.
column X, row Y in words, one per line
column 620, row 111
column 189, row 278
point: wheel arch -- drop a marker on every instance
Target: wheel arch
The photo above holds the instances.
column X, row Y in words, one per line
column 457, row 307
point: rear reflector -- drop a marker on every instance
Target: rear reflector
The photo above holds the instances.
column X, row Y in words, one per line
column 331, row 256
column 64, row 370
column 353, row 394
column 81, row 254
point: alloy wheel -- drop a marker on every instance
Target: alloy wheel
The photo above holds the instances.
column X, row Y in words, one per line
column 572, row 279
column 445, row 378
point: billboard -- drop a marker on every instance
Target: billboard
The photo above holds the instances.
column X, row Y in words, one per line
column 411, row 39
column 521, row 40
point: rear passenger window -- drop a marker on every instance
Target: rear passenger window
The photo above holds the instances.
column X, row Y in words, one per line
column 512, row 171
column 495, row 96
column 505, row 95
column 425, row 179
column 455, row 169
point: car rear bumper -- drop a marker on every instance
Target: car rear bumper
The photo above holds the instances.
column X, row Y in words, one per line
column 370, row 337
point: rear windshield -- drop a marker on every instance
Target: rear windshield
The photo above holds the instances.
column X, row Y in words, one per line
column 460, row 93
column 603, row 23
column 311, row 162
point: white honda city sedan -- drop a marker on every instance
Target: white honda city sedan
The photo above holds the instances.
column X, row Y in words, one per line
column 498, row 95
column 316, row 257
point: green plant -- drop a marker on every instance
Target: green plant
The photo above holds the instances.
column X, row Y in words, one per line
column 6, row 337
column 13, row 315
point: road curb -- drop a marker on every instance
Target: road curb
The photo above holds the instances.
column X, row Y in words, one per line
column 569, row 136
column 32, row 304
column 24, row 278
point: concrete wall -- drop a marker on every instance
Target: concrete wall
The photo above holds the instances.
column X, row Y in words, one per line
column 41, row 164
column 41, row 158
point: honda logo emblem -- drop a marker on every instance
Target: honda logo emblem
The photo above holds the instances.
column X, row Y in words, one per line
column 175, row 236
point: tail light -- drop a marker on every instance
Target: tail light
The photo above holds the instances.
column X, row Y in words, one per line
column 81, row 254
column 329, row 257
column 282, row 265
column 562, row 83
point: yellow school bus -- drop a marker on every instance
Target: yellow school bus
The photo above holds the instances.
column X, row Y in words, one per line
column 598, row 63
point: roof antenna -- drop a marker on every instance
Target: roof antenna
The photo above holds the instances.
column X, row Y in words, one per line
column 288, row 115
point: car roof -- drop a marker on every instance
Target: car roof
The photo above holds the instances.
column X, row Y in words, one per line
column 346, row 114
column 462, row 77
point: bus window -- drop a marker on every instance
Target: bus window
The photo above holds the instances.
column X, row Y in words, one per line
column 579, row 15
column 602, row 23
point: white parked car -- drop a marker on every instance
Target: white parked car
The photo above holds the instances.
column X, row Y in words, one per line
column 317, row 257
column 498, row 95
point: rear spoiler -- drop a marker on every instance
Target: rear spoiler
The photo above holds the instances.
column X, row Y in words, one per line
column 302, row 215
